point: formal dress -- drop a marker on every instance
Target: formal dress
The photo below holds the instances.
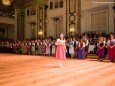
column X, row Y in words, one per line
column 112, row 50
column 71, row 47
column 81, row 51
column 40, row 48
column 53, row 49
column 60, row 50
column 101, row 50
column 48, row 48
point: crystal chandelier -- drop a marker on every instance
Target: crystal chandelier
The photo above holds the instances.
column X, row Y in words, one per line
column 7, row 2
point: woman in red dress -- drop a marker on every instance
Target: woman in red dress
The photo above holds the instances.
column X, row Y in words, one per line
column 111, row 45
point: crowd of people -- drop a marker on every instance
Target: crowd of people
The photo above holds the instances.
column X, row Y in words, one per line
column 102, row 45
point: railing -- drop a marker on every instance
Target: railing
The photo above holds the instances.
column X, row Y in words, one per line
column 6, row 14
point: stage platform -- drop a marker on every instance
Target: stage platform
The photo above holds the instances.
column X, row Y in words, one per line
column 25, row 70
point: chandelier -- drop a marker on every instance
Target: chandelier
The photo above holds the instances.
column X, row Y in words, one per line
column 7, row 2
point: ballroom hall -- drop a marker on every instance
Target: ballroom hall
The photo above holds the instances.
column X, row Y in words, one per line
column 57, row 42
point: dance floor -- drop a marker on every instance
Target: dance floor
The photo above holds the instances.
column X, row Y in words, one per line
column 23, row 70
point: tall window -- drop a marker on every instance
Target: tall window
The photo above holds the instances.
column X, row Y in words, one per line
column 56, row 5
column 34, row 11
column 99, row 21
column 61, row 3
column 28, row 12
column 51, row 5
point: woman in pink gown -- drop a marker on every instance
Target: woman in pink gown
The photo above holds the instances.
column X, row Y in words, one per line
column 61, row 49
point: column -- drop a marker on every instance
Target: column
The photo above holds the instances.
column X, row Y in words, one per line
column 72, row 17
column 56, row 20
column 79, row 16
column 15, row 25
column 41, row 21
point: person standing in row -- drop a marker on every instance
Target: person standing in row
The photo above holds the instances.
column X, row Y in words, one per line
column 71, row 47
column 61, row 49
column 40, row 48
column 53, row 48
column 44, row 47
column 85, row 40
column 101, row 48
column 28, row 49
column 111, row 45
column 81, row 50
column 48, row 44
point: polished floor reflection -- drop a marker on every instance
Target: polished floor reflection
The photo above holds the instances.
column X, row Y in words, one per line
column 22, row 70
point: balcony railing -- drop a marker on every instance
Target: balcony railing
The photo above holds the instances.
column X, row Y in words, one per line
column 6, row 14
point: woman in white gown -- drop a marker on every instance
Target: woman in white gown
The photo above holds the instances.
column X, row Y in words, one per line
column 71, row 47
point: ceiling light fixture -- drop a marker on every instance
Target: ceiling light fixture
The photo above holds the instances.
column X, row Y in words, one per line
column 7, row 2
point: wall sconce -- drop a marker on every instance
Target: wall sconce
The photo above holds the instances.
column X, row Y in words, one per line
column 40, row 33
column 72, row 27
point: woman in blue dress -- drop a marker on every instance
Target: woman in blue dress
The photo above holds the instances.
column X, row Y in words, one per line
column 81, row 50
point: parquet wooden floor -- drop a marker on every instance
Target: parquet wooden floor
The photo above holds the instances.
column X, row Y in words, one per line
column 24, row 70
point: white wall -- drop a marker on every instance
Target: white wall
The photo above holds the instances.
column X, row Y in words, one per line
column 88, row 8
column 8, row 23
column 55, row 13
column 7, row 20
column 85, row 21
column 29, row 20
column 111, row 19
column 9, row 30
